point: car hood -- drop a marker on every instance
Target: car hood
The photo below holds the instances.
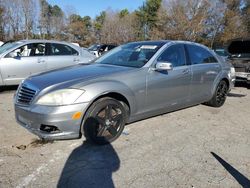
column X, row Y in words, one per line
column 73, row 75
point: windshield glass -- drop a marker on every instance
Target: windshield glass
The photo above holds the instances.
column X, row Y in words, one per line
column 221, row 52
column 131, row 55
column 8, row 46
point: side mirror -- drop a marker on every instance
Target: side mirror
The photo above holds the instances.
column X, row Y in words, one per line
column 163, row 66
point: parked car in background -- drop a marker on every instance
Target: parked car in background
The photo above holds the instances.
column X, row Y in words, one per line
column 221, row 52
column 132, row 82
column 21, row 59
column 239, row 50
column 100, row 49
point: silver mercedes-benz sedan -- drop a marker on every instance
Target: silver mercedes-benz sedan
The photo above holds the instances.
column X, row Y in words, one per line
column 131, row 82
column 21, row 59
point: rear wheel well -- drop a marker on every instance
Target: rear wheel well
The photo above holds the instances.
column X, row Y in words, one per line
column 227, row 81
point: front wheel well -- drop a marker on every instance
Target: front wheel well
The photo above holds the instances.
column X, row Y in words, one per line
column 118, row 97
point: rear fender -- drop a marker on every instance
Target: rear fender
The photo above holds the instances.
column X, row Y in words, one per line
column 221, row 76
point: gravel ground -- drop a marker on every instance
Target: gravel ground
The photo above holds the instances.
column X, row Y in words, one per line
column 195, row 147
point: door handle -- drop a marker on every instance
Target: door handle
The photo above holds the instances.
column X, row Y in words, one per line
column 185, row 71
column 41, row 61
column 76, row 60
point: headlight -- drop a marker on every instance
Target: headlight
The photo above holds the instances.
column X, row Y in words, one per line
column 232, row 72
column 60, row 97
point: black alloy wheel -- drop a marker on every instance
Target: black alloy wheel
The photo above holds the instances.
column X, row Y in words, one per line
column 105, row 121
column 220, row 95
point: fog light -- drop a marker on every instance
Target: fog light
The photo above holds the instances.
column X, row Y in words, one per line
column 49, row 128
column 77, row 115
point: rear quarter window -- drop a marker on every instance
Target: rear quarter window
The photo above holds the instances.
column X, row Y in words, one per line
column 62, row 49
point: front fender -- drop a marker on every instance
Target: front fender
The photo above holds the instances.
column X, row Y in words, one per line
column 97, row 89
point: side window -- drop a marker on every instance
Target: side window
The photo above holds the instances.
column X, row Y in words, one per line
column 174, row 54
column 29, row 50
column 61, row 49
column 199, row 55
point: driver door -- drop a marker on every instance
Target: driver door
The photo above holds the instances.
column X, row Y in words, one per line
column 22, row 62
column 169, row 89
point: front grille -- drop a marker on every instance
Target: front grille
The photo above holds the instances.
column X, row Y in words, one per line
column 240, row 69
column 25, row 95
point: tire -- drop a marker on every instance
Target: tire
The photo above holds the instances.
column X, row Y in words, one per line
column 104, row 121
column 220, row 95
column 1, row 89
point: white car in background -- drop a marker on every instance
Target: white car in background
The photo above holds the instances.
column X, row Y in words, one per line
column 21, row 59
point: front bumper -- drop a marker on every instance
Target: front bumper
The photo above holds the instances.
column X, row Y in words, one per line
column 243, row 77
column 36, row 117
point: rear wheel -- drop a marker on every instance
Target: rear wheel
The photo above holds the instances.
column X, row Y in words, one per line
column 105, row 121
column 220, row 95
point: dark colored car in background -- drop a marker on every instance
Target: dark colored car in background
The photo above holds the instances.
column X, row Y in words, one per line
column 239, row 50
column 100, row 49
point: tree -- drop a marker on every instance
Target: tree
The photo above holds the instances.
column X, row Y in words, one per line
column 147, row 17
column 118, row 29
column 28, row 11
column 232, row 21
column 123, row 13
column 51, row 20
column 2, row 23
column 98, row 23
column 246, row 16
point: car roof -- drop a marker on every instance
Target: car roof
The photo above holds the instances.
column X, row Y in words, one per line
column 41, row 40
column 163, row 42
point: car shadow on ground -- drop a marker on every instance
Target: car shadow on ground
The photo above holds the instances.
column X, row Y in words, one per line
column 90, row 166
column 242, row 84
column 235, row 95
column 240, row 178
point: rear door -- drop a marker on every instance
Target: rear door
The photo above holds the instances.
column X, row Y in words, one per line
column 205, row 68
column 22, row 62
column 61, row 55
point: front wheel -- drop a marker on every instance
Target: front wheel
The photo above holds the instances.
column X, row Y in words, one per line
column 220, row 95
column 105, row 121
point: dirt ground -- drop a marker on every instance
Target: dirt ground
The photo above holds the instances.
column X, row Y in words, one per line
column 195, row 147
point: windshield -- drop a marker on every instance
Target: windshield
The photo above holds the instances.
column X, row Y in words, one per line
column 8, row 46
column 131, row 55
column 221, row 52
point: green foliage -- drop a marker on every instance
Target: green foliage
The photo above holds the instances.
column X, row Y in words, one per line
column 147, row 16
column 123, row 13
